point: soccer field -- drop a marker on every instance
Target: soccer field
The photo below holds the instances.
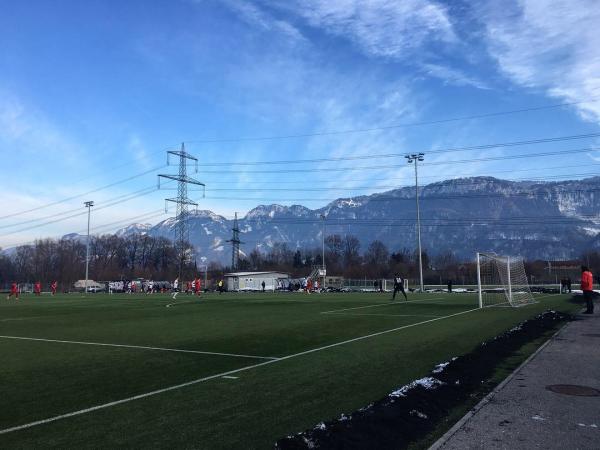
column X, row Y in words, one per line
column 223, row 371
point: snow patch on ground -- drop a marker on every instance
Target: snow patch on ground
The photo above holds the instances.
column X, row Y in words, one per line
column 419, row 414
column 439, row 368
column 426, row 383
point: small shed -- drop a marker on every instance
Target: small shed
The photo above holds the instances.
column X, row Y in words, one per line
column 91, row 284
column 252, row 281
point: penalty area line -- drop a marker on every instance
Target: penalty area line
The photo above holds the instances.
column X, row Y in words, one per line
column 223, row 374
column 141, row 347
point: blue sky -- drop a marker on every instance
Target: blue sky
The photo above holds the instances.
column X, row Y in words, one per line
column 94, row 92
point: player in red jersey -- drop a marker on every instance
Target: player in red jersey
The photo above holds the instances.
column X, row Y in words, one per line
column 14, row 290
column 53, row 287
column 37, row 288
column 197, row 286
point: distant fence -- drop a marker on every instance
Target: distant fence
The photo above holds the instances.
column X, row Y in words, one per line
column 387, row 285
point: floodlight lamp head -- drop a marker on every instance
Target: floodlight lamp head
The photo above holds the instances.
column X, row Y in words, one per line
column 88, row 204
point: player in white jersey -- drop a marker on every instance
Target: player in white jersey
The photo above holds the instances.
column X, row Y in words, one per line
column 175, row 288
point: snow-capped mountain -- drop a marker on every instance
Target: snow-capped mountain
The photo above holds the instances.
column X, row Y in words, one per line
column 135, row 228
column 462, row 216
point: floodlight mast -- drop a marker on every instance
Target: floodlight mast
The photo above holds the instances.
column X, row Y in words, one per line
column 88, row 205
column 416, row 157
column 323, row 217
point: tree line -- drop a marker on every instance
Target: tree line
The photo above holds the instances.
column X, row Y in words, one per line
column 142, row 256
column 111, row 258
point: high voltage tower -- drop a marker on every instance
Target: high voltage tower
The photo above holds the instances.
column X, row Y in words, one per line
column 235, row 244
column 182, row 200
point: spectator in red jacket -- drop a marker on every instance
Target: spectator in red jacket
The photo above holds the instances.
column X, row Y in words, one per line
column 587, row 286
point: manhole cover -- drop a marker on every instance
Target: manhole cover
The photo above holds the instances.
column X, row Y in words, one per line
column 573, row 389
column 591, row 335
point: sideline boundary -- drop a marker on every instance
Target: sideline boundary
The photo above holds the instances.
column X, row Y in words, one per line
column 388, row 303
column 383, row 315
column 222, row 374
column 485, row 400
column 141, row 347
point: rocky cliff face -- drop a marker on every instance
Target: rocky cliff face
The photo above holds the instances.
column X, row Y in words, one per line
column 532, row 219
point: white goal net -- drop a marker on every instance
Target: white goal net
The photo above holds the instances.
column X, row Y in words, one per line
column 502, row 281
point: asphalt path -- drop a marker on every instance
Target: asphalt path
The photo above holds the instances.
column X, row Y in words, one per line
column 527, row 412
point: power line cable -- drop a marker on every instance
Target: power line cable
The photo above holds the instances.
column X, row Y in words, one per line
column 102, row 206
column 143, row 191
column 146, row 216
column 395, row 166
column 124, row 180
column 478, row 147
column 390, row 127
column 307, row 181
column 401, row 155
column 375, row 187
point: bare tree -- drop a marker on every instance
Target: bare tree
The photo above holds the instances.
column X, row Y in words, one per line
column 377, row 259
column 351, row 255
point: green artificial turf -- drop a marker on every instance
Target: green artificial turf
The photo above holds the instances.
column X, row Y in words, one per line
column 269, row 398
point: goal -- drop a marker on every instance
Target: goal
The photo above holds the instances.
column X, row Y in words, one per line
column 388, row 285
column 501, row 281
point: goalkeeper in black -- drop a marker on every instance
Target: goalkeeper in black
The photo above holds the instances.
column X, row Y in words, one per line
column 399, row 286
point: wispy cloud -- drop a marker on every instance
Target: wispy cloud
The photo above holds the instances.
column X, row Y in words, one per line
column 453, row 76
column 378, row 27
column 260, row 18
column 139, row 152
column 28, row 131
column 551, row 45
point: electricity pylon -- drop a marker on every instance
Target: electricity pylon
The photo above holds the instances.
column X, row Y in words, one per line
column 182, row 201
column 235, row 244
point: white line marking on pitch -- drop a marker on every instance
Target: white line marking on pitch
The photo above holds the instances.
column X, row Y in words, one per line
column 229, row 377
column 101, row 344
column 220, row 375
column 183, row 303
column 390, row 303
column 21, row 318
column 385, row 315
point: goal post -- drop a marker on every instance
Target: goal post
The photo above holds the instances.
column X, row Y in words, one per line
column 479, row 294
column 502, row 281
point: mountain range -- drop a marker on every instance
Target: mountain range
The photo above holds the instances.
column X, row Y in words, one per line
column 545, row 220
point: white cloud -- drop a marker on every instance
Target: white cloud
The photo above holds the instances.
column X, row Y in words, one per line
column 453, row 76
column 552, row 45
column 258, row 17
column 26, row 131
column 378, row 27
column 139, row 152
